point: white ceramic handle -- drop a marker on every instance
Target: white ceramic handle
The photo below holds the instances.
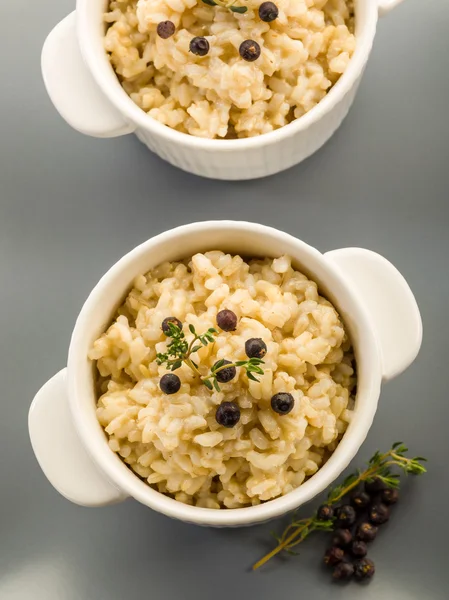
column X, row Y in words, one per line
column 386, row 5
column 72, row 88
column 59, row 451
column 390, row 303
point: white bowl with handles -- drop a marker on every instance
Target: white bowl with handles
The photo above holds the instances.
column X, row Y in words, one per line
column 375, row 301
column 85, row 90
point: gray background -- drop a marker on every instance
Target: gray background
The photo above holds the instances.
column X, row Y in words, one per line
column 70, row 206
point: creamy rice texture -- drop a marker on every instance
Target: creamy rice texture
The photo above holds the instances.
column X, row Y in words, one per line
column 220, row 95
column 174, row 442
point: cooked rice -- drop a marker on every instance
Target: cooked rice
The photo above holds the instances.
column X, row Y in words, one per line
column 303, row 54
column 174, row 442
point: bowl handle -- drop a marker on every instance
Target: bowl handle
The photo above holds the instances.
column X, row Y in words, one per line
column 386, row 5
column 72, row 88
column 59, row 451
column 389, row 301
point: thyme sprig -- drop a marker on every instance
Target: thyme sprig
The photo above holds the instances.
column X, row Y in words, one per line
column 251, row 366
column 179, row 351
column 224, row 4
column 379, row 466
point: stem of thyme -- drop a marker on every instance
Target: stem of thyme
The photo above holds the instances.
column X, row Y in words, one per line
column 180, row 351
column 379, row 466
column 224, row 4
column 251, row 366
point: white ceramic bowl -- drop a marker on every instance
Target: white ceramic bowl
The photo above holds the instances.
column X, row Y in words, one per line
column 86, row 92
column 375, row 301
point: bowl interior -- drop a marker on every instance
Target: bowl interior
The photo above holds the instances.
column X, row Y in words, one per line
column 238, row 238
column 91, row 29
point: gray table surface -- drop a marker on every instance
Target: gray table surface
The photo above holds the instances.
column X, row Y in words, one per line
column 70, row 206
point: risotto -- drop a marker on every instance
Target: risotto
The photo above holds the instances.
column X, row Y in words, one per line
column 275, row 411
column 202, row 68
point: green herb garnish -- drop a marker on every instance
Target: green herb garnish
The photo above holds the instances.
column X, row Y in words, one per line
column 179, row 351
column 238, row 9
column 224, row 4
column 251, row 366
